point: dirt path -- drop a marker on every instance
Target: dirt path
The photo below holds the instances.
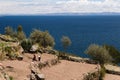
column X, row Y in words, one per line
column 20, row 70
column 68, row 70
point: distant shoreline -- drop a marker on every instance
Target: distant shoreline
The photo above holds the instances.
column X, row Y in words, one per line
column 67, row 14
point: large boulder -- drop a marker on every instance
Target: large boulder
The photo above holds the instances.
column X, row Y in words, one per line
column 34, row 48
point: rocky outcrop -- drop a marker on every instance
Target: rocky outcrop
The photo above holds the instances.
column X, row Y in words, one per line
column 36, row 76
column 34, row 48
column 7, row 38
column 36, row 67
column 35, row 72
column 9, row 47
column 112, row 69
column 77, row 59
column 89, row 61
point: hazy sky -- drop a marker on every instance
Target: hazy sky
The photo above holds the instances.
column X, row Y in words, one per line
column 15, row 7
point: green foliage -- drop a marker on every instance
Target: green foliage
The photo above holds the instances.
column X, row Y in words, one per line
column 43, row 38
column 66, row 41
column 26, row 45
column 11, row 78
column 8, row 49
column 9, row 31
column 62, row 55
column 98, row 75
column 12, row 55
column 20, row 34
column 19, row 29
column 91, row 76
column 48, row 40
column 36, row 36
column 113, row 52
column 65, row 55
column 15, row 35
column 98, row 53
column 10, row 52
column 102, row 73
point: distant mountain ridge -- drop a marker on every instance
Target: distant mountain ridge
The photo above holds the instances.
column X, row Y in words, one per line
column 104, row 13
column 66, row 14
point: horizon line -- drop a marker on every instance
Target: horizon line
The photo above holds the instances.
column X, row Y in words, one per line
column 65, row 14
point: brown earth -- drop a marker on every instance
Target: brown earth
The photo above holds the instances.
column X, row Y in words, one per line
column 66, row 70
column 112, row 77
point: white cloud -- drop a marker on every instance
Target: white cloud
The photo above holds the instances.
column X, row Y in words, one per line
column 58, row 6
column 90, row 6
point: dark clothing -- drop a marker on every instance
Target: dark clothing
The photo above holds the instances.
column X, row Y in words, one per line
column 39, row 58
column 34, row 58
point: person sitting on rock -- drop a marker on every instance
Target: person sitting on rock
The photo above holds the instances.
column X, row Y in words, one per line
column 34, row 58
column 39, row 58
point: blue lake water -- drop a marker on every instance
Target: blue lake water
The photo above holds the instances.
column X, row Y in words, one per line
column 82, row 30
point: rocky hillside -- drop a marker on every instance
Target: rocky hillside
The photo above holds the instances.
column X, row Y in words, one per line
column 9, row 48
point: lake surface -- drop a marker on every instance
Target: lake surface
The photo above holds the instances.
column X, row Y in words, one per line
column 82, row 30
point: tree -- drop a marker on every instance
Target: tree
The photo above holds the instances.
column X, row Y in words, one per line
column 20, row 34
column 66, row 41
column 9, row 31
column 113, row 52
column 19, row 29
column 36, row 36
column 47, row 39
column 42, row 38
column 99, row 53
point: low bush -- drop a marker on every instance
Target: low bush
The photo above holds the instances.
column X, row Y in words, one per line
column 26, row 45
column 62, row 55
column 91, row 76
column 99, row 75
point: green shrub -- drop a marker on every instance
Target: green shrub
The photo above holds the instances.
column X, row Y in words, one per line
column 66, row 41
column 42, row 37
column 61, row 55
column 20, row 33
column 114, row 53
column 26, row 45
column 9, row 31
column 99, row 53
column 12, row 55
column 91, row 76
column 8, row 49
